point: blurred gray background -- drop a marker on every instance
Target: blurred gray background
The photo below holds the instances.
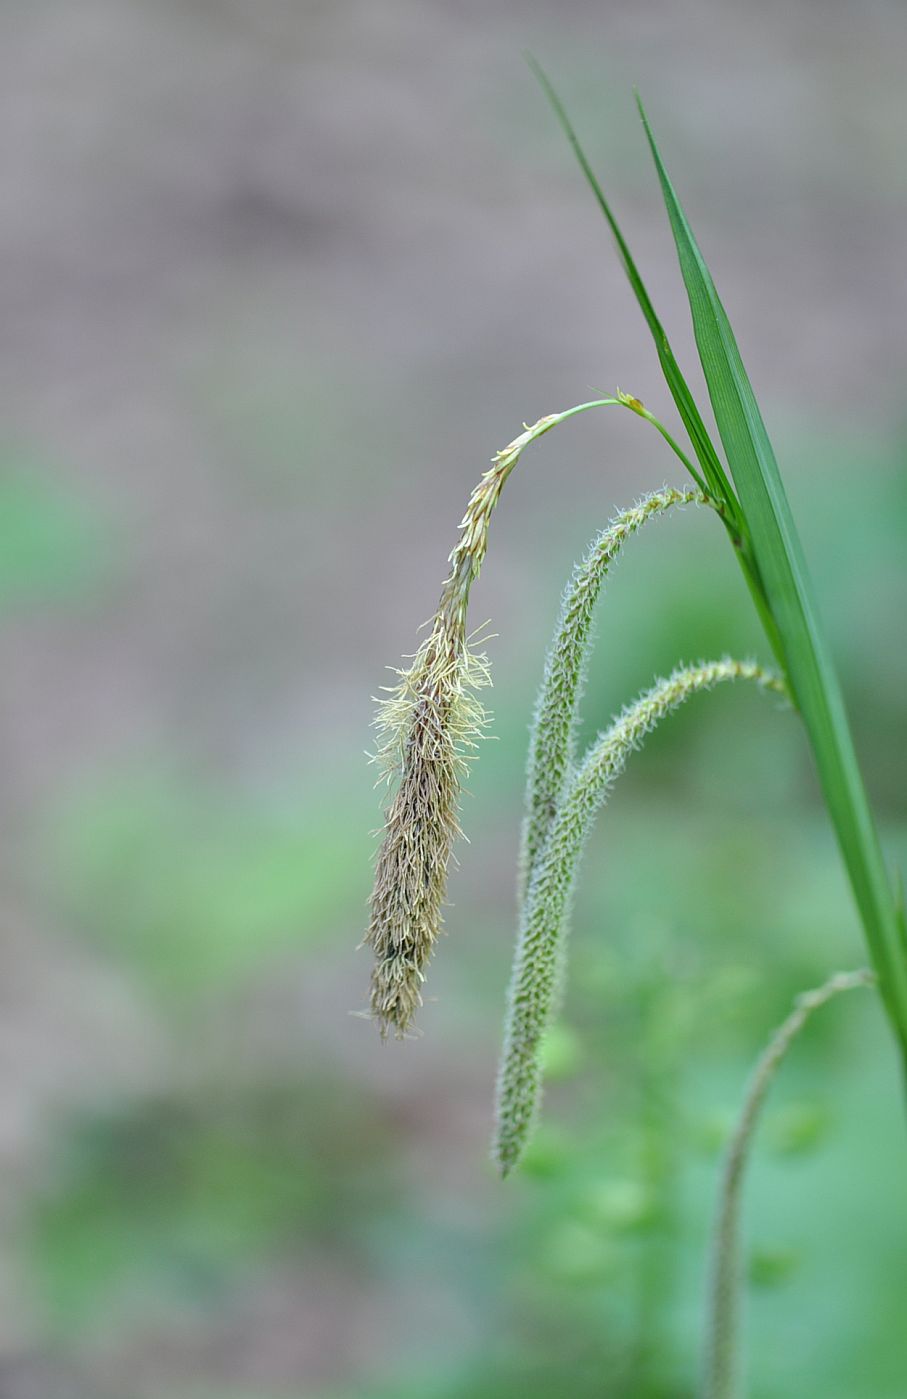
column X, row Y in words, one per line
column 276, row 279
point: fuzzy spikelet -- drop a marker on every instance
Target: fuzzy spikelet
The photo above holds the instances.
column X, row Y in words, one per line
column 432, row 720
column 539, row 954
column 429, row 726
column 554, row 727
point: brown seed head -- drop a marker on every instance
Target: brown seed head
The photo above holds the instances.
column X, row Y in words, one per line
column 429, row 727
column 431, row 723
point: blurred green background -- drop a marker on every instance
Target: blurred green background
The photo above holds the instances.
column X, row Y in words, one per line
column 277, row 278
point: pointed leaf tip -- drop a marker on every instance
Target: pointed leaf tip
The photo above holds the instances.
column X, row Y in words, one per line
column 784, row 576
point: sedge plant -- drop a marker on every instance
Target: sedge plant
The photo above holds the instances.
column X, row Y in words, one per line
column 431, row 720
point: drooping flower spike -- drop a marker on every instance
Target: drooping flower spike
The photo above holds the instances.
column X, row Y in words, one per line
column 429, row 725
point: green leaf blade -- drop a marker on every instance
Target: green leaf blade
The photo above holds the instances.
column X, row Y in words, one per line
column 713, row 471
column 783, row 574
column 714, row 474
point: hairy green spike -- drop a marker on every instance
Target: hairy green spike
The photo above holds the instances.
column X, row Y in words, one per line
column 725, row 1288
column 551, row 745
column 538, row 959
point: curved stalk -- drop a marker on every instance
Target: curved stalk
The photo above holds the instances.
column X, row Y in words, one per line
column 722, row 1366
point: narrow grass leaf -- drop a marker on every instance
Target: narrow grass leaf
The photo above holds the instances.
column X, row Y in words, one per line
column 782, row 570
column 715, row 477
column 713, row 471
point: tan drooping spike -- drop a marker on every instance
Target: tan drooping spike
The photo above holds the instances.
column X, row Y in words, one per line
column 429, row 725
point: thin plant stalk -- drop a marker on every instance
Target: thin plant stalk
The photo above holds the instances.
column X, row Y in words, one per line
column 723, row 1361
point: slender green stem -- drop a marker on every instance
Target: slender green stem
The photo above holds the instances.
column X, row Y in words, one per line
column 640, row 409
column 509, row 455
column 722, row 1365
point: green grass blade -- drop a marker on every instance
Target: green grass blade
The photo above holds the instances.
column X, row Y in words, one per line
column 715, row 475
column 782, row 569
column 716, row 479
